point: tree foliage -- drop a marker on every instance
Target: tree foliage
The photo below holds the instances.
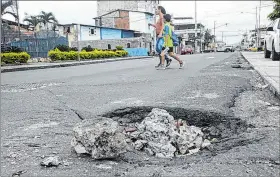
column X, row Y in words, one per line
column 47, row 17
column 6, row 8
column 208, row 38
column 276, row 11
column 32, row 20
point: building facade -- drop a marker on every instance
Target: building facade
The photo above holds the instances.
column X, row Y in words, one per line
column 102, row 37
column 104, row 7
column 186, row 32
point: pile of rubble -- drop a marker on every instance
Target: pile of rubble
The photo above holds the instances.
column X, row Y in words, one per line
column 159, row 134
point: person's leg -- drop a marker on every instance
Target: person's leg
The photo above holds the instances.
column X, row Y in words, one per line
column 159, row 61
column 177, row 58
column 162, row 55
column 171, row 54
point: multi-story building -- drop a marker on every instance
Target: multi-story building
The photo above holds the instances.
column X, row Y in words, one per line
column 128, row 15
column 104, row 7
column 184, row 27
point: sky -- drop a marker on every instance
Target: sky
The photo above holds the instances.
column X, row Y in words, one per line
column 207, row 12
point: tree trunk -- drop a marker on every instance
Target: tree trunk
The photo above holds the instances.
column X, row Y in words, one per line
column 47, row 37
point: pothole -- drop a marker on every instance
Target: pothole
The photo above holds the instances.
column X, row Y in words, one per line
column 221, row 130
column 161, row 132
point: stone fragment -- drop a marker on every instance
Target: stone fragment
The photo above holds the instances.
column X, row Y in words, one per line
column 51, row 161
column 100, row 137
column 139, row 144
column 206, row 143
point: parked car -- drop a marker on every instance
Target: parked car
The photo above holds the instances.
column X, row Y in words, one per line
column 187, row 50
column 229, row 48
column 272, row 41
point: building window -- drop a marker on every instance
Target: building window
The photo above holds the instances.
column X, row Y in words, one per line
column 91, row 31
column 128, row 45
column 109, row 46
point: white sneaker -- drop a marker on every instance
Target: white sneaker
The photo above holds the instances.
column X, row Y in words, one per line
column 161, row 67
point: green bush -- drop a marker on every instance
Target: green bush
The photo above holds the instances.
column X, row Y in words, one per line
column 56, row 54
column 62, row 48
column 119, row 47
column 88, row 48
column 12, row 58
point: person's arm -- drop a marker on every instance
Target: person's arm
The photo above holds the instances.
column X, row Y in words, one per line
column 152, row 25
column 166, row 33
column 162, row 27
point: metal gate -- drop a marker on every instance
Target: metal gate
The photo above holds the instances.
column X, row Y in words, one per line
column 39, row 47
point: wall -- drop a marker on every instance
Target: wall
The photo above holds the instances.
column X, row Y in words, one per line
column 140, row 5
column 72, row 36
column 107, row 20
column 123, row 22
column 85, row 33
column 103, row 44
column 104, row 7
column 110, row 33
column 127, row 34
column 138, row 21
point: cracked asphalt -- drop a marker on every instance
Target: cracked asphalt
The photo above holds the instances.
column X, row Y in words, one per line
column 39, row 109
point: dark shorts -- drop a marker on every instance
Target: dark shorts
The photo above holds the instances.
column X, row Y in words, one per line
column 170, row 49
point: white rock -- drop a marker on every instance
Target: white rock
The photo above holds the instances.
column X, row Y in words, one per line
column 206, row 143
column 139, row 144
column 51, row 161
column 100, row 137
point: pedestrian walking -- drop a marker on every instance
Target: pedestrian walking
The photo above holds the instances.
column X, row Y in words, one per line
column 168, row 43
column 159, row 29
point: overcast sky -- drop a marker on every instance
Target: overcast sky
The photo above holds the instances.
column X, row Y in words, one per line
column 207, row 12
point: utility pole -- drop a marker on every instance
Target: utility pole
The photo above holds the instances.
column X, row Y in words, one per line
column 155, row 21
column 78, row 40
column 18, row 20
column 222, row 36
column 256, row 29
column 259, row 43
column 215, row 36
column 200, row 39
column 195, row 28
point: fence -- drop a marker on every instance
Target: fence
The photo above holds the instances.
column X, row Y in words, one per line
column 39, row 47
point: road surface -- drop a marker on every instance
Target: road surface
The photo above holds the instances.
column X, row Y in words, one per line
column 39, row 109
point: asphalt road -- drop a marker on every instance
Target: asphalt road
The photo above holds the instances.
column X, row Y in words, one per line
column 39, row 109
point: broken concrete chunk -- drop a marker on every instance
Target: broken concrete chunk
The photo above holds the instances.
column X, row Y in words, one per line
column 100, row 137
column 206, row 143
column 51, row 161
column 160, row 135
column 139, row 144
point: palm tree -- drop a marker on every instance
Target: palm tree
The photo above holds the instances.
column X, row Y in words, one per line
column 276, row 11
column 33, row 22
column 46, row 18
column 6, row 8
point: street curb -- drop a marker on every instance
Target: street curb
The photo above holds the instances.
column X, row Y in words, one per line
column 270, row 86
column 58, row 65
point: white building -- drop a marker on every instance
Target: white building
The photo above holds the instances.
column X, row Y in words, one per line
column 104, row 6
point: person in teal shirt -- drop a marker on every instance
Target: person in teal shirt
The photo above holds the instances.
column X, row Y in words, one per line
column 168, row 43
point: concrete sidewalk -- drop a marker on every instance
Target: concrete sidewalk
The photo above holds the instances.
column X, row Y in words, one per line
column 268, row 69
column 34, row 66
